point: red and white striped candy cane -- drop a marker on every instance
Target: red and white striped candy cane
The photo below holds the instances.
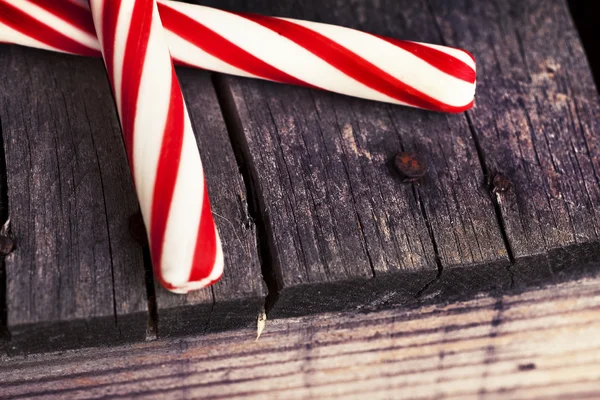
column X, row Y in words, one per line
column 56, row 25
column 305, row 53
column 160, row 144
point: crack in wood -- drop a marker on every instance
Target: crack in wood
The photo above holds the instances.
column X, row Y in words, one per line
column 438, row 260
column 4, row 332
column 494, row 199
column 106, row 214
column 152, row 329
column 264, row 239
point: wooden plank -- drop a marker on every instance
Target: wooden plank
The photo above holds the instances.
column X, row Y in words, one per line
column 337, row 214
column 537, row 119
column 234, row 302
column 539, row 344
column 76, row 277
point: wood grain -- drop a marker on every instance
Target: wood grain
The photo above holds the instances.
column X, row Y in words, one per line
column 538, row 344
column 537, row 122
column 234, row 302
column 75, row 277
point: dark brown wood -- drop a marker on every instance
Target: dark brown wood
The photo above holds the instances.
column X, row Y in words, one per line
column 234, row 302
column 537, row 120
column 539, row 344
column 75, row 277
column 337, row 212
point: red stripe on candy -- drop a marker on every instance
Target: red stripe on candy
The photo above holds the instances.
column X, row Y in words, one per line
column 166, row 170
column 352, row 64
column 206, row 243
column 133, row 62
column 436, row 58
column 70, row 13
column 109, row 28
column 24, row 23
column 221, row 48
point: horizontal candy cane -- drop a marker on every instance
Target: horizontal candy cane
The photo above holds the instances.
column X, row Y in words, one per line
column 160, row 144
column 284, row 50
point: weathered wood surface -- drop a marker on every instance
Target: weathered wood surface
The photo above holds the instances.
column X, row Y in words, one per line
column 234, row 302
column 332, row 207
column 539, row 344
column 75, row 277
column 537, row 120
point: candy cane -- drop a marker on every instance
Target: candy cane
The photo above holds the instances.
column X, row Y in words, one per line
column 298, row 52
column 160, row 144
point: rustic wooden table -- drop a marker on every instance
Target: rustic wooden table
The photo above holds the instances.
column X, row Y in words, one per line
column 435, row 285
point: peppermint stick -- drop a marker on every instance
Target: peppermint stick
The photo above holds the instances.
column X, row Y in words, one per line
column 160, row 144
column 298, row 52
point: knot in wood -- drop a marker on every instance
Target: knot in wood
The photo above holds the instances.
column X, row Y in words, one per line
column 6, row 245
column 410, row 166
column 500, row 183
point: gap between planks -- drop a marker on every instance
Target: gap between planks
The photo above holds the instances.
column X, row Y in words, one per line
column 248, row 171
column 4, row 334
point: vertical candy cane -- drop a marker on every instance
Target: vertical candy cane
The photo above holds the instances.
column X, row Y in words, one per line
column 160, row 144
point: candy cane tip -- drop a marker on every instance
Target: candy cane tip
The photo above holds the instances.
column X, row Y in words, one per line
column 461, row 109
column 173, row 281
column 191, row 286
